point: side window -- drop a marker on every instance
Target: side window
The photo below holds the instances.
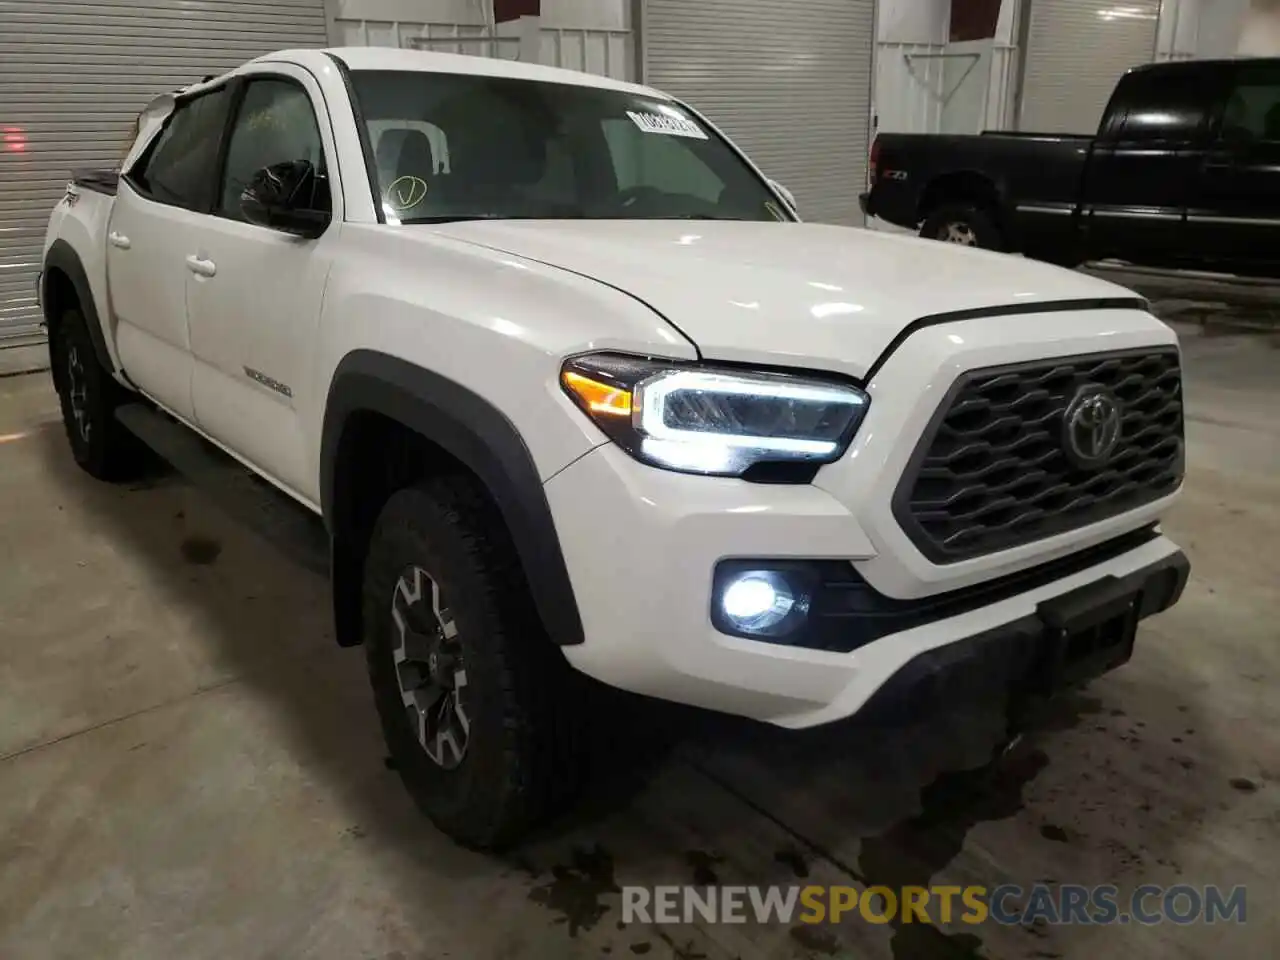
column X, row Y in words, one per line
column 658, row 162
column 178, row 168
column 1252, row 111
column 275, row 124
column 1164, row 108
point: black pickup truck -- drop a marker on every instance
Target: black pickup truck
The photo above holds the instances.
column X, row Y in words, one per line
column 1184, row 172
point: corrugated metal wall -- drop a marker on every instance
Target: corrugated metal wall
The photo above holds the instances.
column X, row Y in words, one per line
column 1076, row 50
column 73, row 76
column 791, row 83
column 607, row 52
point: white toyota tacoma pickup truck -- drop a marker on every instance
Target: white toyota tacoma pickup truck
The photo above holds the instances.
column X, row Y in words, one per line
column 572, row 387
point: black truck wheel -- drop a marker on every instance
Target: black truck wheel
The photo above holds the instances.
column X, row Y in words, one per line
column 964, row 223
column 89, row 396
column 470, row 692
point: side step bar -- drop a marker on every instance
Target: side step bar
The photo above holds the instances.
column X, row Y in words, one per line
column 239, row 493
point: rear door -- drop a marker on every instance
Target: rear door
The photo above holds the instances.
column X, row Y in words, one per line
column 1144, row 162
column 159, row 204
column 1234, row 211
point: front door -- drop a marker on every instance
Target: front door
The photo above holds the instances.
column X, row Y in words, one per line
column 153, row 220
column 254, row 304
column 1234, row 213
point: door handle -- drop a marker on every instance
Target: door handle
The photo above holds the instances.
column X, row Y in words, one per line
column 201, row 267
column 118, row 240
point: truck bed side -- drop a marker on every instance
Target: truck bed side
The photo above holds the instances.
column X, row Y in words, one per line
column 75, row 257
column 1030, row 183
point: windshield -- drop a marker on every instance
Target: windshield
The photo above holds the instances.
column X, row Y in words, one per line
column 458, row 146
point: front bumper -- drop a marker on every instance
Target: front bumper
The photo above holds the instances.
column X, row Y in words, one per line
column 1015, row 662
column 641, row 546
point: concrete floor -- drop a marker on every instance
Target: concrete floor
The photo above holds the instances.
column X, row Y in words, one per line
column 189, row 768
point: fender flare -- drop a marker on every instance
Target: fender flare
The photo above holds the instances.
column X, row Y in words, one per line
column 62, row 256
column 478, row 435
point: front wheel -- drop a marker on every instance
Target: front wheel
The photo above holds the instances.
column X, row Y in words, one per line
column 470, row 691
column 966, row 224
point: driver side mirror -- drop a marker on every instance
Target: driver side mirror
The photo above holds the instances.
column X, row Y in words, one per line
column 787, row 195
column 283, row 196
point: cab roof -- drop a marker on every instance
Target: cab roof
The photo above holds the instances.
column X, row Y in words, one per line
column 424, row 61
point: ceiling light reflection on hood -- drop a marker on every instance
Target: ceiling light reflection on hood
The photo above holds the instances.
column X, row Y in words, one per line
column 834, row 309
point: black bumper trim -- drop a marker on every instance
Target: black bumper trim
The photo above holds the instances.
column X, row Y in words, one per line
column 1008, row 663
column 848, row 613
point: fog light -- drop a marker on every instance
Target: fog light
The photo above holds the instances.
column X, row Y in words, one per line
column 761, row 602
column 757, row 600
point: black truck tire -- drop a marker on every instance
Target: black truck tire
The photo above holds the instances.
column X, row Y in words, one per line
column 443, row 591
column 968, row 224
column 89, row 396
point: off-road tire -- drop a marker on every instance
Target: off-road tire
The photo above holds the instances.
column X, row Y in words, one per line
column 522, row 758
column 976, row 219
column 89, row 396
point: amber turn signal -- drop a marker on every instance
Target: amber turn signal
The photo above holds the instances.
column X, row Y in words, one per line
column 601, row 398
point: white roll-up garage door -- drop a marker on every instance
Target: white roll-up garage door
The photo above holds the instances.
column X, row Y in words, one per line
column 790, row 82
column 1076, row 50
column 74, row 75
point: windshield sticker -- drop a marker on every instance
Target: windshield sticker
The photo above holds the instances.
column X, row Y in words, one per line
column 670, row 124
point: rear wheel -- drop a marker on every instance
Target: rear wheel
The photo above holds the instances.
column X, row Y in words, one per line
column 470, row 692
column 89, row 396
column 966, row 224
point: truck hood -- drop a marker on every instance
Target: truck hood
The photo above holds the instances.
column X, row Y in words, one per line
column 805, row 295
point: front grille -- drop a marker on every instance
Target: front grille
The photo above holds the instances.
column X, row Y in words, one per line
column 993, row 470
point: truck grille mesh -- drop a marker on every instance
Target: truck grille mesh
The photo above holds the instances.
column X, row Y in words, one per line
column 993, row 470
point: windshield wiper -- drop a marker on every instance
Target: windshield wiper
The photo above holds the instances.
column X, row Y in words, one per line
column 460, row 218
column 697, row 216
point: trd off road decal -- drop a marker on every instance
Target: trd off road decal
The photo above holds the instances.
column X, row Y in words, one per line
column 268, row 382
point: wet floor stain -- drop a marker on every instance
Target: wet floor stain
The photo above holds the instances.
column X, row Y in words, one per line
column 685, row 951
column 200, row 551
column 794, row 860
column 703, row 864
column 1051, row 831
column 576, row 890
column 816, row 939
column 911, row 852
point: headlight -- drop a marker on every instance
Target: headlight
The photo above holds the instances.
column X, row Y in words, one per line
column 719, row 421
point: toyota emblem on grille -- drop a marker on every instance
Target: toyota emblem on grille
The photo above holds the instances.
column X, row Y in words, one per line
column 1091, row 426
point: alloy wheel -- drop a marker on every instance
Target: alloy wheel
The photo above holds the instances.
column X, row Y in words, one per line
column 78, row 392
column 429, row 667
column 958, row 232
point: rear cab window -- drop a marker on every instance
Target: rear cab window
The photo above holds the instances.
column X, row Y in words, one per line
column 1251, row 113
